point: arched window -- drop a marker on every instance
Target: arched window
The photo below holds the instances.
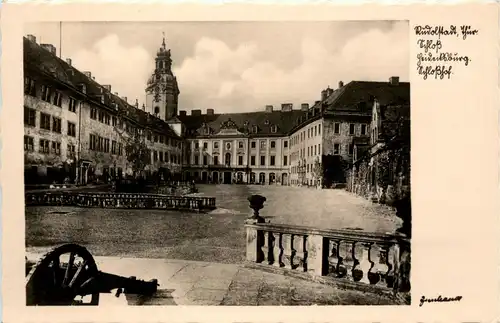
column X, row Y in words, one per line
column 255, row 129
column 227, row 160
column 157, row 110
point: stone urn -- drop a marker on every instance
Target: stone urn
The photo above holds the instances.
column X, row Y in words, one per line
column 256, row 204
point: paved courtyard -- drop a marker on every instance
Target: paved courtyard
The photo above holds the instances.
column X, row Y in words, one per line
column 216, row 237
column 202, row 283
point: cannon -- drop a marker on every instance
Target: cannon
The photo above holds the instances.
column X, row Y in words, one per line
column 68, row 275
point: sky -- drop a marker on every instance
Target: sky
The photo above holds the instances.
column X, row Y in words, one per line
column 234, row 66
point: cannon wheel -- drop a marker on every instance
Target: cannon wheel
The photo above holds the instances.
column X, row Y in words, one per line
column 54, row 282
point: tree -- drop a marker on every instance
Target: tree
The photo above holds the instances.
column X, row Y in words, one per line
column 317, row 171
column 138, row 154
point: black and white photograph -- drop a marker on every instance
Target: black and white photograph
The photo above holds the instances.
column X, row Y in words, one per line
column 247, row 163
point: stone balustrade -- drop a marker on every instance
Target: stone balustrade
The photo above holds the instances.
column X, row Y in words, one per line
column 349, row 258
column 121, row 200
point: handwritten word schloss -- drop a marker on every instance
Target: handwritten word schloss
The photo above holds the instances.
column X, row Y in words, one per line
column 434, row 59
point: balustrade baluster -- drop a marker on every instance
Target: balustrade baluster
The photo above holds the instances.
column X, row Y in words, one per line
column 299, row 243
column 288, row 251
column 336, row 266
column 278, row 250
column 267, row 246
column 362, row 270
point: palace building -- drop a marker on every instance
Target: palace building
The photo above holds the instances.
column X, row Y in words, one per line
column 77, row 128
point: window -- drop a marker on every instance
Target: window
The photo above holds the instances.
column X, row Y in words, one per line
column 56, row 147
column 315, row 152
column 319, row 149
column 205, row 160
column 155, row 138
column 336, row 149
column 315, row 131
column 113, row 147
column 262, row 144
column 71, row 129
column 228, row 145
column 196, row 160
column 196, row 145
column 161, row 156
column 273, row 160
column 262, row 160
column 227, row 159
column 107, row 118
column 29, row 144
column 255, row 129
column 351, row 149
column 351, row 128
column 274, row 129
column 57, row 99
column 114, row 122
column 319, row 129
column 240, row 160
column 106, row 145
column 56, row 124
column 216, row 144
column 308, row 151
column 253, row 144
column 337, row 128
column 307, row 167
column 30, row 117
column 101, row 116
column 29, row 86
column 273, row 144
column 92, row 142
column 45, row 93
column 72, row 105
column 44, row 146
column 162, row 139
column 363, row 129
column 120, row 150
column 155, row 156
column 148, row 135
column 285, row 160
column 285, row 143
column 205, row 145
column 240, row 144
column 93, row 113
column 70, row 150
column 44, row 121
column 216, row 160
column 252, row 160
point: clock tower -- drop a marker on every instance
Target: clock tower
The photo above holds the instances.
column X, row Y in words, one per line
column 162, row 92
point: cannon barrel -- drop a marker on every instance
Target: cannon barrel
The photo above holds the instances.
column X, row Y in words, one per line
column 105, row 283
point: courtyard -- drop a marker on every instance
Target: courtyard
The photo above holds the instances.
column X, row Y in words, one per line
column 218, row 236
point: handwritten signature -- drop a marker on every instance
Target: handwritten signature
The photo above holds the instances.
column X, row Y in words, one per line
column 439, row 299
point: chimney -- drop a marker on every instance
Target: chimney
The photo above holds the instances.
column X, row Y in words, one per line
column 317, row 102
column 107, row 87
column 210, row 112
column 31, row 38
column 394, row 80
column 196, row 112
column 323, row 95
column 329, row 92
column 68, row 60
column 88, row 74
column 304, row 107
column 49, row 47
column 269, row 108
column 182, row 113
column 286, row 107
column 124, row 98
column 136, row 104
column 341, row 84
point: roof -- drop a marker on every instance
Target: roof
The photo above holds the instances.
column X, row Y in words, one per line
column 244, row 122
column 37, row 58
column 358, row 96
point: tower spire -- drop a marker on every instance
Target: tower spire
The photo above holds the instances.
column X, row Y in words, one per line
column 163, row 43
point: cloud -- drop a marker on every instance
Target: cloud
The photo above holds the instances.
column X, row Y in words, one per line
column 237, row 76
column 231, row 80
column 125, row 68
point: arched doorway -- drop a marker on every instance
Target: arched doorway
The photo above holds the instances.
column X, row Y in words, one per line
column 284, row 179
column 227, row 159
column 262, row 178
column 204, row 177
column 252, row 178
column 272, row 178
column 215, row 177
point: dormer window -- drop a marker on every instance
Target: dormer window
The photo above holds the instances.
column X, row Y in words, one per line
column 274, row 128
column 83, row 88
column 255, row 129
column 245, row 124
column 266, row 122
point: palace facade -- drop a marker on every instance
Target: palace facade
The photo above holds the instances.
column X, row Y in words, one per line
column 77, row 128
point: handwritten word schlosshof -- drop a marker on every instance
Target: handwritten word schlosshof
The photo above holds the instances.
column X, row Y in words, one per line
column 433, row 59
